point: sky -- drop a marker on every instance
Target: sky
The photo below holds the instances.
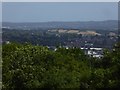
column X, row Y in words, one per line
column 58, row 11
column 60, row 0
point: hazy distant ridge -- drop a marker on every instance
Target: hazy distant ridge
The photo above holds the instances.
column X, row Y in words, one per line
column 104, row 25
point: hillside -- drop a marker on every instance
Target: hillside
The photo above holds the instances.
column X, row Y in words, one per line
column 98, row 25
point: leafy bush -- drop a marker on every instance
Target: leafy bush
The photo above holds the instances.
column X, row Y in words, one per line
column 28, row 66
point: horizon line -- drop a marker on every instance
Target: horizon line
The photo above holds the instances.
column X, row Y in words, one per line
column 57, row 21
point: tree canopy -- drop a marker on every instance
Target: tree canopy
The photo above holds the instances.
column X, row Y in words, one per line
column 29, row 66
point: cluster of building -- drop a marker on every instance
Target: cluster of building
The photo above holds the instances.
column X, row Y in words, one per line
column 92, row 52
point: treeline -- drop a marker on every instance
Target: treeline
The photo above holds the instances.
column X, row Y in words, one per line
column 37, row 37
column 46, row 38
column 28, row 66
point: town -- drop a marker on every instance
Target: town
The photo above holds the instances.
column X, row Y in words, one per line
column 90, row 41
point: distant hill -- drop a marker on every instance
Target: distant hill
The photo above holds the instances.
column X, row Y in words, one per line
column 97, row 25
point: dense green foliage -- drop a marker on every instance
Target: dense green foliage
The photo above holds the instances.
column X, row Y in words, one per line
column 28, row 66
column 48, row 38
